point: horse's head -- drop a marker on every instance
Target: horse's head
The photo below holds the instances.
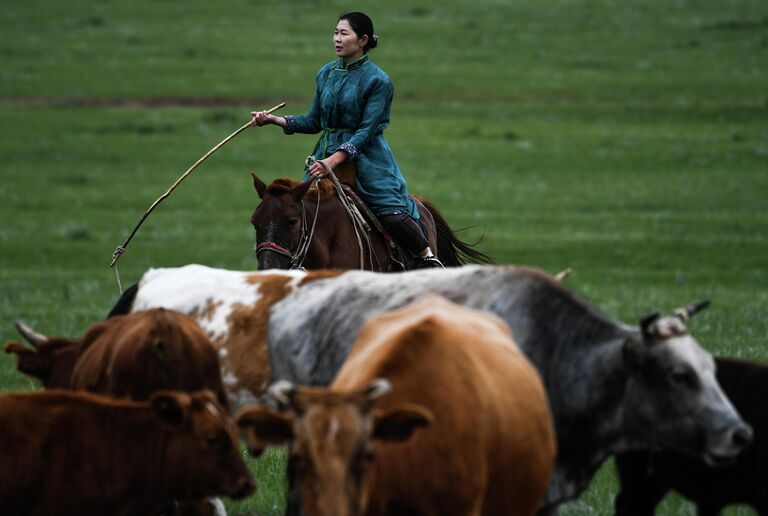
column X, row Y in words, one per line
column 278, row 221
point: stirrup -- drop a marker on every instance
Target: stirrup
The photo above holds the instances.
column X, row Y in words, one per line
column 428, row 262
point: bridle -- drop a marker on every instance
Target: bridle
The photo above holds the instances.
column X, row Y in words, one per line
column 297, row 257
column 358, row 224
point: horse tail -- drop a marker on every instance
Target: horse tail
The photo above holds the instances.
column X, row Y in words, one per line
column 124, row 304
column 452, row 251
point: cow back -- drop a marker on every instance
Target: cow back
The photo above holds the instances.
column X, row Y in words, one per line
column 139, row 353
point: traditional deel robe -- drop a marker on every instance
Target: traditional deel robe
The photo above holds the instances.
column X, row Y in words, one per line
column 351, row 110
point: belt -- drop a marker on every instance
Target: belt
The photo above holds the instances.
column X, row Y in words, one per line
column 324, row 139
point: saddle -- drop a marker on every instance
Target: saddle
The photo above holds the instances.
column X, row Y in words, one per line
column 397, row 258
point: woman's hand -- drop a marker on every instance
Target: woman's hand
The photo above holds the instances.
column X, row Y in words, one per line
column 262, row 118
column 317, row 170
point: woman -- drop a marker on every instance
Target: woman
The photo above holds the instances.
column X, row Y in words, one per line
column 351, row 110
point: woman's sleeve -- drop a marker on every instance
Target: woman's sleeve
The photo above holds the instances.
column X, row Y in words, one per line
column 375, row 117
column 308, row 123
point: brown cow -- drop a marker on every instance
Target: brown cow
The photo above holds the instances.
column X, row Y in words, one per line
column 489, row 446
column 127, row 356
column 79, row 453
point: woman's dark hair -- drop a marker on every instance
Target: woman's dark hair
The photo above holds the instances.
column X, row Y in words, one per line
column 363, row 26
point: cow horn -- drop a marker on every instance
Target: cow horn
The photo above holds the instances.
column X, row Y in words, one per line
column 560, row 276
column 377, row 388
column 647, row 324
column 686, row 312
column 29, row 334
column 282, row 391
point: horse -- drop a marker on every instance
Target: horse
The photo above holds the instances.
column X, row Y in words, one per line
column 308, row 225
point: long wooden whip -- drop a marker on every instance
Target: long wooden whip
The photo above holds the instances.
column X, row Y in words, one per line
column 121, row 248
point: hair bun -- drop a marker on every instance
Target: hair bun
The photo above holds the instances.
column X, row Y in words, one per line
column 374, row 42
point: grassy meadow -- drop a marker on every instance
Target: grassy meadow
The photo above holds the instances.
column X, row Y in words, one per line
column 626, row 140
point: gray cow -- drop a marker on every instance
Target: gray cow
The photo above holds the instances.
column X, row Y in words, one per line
column 611, row 387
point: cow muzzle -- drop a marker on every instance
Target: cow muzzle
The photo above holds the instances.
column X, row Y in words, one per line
column 727, row 444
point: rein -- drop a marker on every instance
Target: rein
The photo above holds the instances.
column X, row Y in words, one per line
column 358, row 222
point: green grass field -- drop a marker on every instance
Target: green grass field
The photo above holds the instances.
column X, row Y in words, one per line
column 626, row 140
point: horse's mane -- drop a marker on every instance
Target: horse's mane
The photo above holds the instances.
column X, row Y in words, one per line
column 286, row 185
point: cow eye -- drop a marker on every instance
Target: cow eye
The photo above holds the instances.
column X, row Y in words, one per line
column 366, row 457
column 217, row 443
column 684, row 376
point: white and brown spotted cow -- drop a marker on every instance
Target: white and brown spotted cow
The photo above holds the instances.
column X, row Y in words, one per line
column 232, row 307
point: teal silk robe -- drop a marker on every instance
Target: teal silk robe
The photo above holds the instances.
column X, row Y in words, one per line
column 351, row 110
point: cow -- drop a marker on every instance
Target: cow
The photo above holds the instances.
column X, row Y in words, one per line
column 488, row 444
column 232, row 307
column 612, row 387
column 647, row 476
column 128, row 356
column 79, row 453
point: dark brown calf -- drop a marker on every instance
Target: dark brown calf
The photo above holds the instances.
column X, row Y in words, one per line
column 79, row 453
column 647, row 477
column 126, row 356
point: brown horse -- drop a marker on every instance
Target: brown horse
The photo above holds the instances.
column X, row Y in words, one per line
column 301, row 225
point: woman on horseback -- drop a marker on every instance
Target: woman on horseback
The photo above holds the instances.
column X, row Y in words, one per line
column 351, row 110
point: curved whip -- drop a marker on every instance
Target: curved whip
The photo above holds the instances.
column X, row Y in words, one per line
column 121, row 248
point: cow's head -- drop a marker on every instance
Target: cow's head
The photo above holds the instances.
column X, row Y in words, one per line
column 202, row 456
column 673, row 396
column 331, row 436
column 277, row 221
column 50, row 359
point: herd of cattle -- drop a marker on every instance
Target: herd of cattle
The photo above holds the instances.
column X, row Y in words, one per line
column 476, row 390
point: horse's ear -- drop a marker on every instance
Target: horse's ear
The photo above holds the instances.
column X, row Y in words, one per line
column 299, row 192
column 259, row 185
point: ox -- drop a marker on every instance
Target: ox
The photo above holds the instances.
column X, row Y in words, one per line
column 489, row 446
column 612, row 388
column 232, row 307
column 646, row 477
column 79, row 453
column 128, row 356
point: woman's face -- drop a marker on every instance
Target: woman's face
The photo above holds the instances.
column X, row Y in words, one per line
column 345, row 41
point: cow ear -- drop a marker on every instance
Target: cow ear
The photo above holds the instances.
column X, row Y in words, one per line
column 259, row 185
column 30, row 362
column 648, row 325
column 399, row 423
column 262, row 427
column 171, row 408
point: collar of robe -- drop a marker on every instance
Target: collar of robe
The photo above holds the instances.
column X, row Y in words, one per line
column 354, row 65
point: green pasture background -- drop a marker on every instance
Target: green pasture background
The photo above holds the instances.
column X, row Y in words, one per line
column 627, row 140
